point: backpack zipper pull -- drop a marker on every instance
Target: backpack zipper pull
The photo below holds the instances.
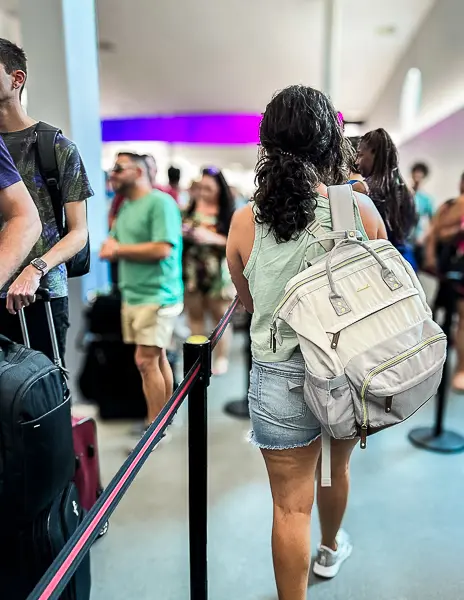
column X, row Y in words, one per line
column 363, row 437
column 335, row 339
column 388, row 404
column 273, row 342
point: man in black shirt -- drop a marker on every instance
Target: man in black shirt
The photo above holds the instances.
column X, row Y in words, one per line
column 50, row 254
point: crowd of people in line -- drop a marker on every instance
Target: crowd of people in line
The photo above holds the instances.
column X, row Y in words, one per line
column 175, row 250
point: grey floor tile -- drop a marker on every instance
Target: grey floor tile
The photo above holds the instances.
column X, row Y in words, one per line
column 405, row 516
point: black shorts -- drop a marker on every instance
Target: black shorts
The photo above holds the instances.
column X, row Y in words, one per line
column 37, row 325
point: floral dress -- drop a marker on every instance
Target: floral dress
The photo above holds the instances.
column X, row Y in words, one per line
column 204, row 265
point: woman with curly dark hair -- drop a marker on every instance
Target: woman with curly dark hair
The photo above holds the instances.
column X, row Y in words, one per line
column 208, row 286
column 302, row 150
column 378, row 164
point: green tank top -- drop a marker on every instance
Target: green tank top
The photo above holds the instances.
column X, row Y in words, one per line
column 269, row 268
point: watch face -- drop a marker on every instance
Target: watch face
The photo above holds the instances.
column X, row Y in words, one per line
column 39, row 264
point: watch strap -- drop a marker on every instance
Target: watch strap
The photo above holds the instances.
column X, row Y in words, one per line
column 39, row 264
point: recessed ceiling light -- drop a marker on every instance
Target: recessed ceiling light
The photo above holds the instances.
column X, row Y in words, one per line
column 387, row 30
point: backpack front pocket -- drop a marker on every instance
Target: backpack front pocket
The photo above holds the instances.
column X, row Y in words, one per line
column 392, row 390
column 330, row 401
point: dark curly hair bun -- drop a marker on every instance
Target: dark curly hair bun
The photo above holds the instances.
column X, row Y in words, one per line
column 302, row 145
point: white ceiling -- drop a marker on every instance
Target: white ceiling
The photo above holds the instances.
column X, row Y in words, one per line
column 368, row 57
column 231, row 55
column 205, row 55
column 174, row 56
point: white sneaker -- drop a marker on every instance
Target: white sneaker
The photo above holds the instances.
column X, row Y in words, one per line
column 167, row 437
column 220, row 366
column 328, row 562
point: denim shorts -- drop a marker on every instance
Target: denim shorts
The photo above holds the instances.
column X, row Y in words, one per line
column 280, row 417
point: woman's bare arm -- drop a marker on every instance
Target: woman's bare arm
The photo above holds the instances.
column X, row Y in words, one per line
column 372, row 221
column 239, row 247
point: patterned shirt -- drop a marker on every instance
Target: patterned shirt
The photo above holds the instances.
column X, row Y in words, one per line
column 75, row 187
column 8, row 173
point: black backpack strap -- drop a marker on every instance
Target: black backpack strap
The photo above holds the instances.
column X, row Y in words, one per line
column 48, row 166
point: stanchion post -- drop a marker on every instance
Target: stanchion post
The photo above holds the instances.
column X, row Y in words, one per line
column 450, row 309
column 198, row 347
column 240, row 408
column 437, row 438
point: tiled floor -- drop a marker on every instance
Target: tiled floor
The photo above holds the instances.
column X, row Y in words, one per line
column 406, row 516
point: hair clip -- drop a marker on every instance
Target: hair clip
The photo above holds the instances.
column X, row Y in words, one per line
column 211, row 171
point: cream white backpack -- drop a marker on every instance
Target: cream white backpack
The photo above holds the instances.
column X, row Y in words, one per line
column 373, row 354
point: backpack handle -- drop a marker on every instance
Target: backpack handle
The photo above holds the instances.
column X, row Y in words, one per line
column 338, row 302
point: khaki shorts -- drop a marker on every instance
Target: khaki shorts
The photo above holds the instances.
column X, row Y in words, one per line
column 149, row 324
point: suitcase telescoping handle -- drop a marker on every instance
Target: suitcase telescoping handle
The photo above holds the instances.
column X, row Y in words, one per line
column 44, row 294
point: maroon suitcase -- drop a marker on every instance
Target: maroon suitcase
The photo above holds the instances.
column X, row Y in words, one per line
column 87, row 476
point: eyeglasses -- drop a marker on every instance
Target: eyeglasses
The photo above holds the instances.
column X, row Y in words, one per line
column 120, row 168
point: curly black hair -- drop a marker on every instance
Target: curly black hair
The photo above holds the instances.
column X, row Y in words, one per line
column 388, row 189
column 302, row 145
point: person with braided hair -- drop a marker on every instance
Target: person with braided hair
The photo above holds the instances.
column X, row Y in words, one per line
column 378, row 163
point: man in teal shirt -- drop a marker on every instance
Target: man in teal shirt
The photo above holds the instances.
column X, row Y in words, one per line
column 146, row 240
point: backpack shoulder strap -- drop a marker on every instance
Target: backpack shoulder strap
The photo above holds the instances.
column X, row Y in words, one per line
column 342, row 208
column 343, row 219
column 48, row 166
column 320, row 236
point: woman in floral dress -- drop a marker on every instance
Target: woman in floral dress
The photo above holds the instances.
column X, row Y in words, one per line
column 208, row 286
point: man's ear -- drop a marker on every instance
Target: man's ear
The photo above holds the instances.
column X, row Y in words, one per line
column 19, row 79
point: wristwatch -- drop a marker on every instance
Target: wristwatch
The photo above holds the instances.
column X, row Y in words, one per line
column 40, row 265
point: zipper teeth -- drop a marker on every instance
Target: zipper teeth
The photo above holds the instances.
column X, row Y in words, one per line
column 391, row 363
column 6, row 368
column 30, row 381
column 317, row 276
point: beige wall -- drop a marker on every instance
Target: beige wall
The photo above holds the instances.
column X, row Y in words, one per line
column 438, row 51
column 442, row 148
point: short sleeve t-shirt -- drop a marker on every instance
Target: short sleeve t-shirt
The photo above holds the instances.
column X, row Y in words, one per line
column 153, row 218
column 75, row 187
column 8, row 172
column 425, row 210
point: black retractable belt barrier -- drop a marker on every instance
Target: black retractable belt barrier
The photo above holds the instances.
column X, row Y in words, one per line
column 60, row 572
column 197, row 356
column 437, row 438
column 223, row 323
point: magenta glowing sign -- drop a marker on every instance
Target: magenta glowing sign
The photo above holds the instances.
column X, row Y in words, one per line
column 227, row 129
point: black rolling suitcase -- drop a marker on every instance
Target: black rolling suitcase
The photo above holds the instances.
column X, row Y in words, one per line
column 34, row 546
column 109, row 376
column 39, row 505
